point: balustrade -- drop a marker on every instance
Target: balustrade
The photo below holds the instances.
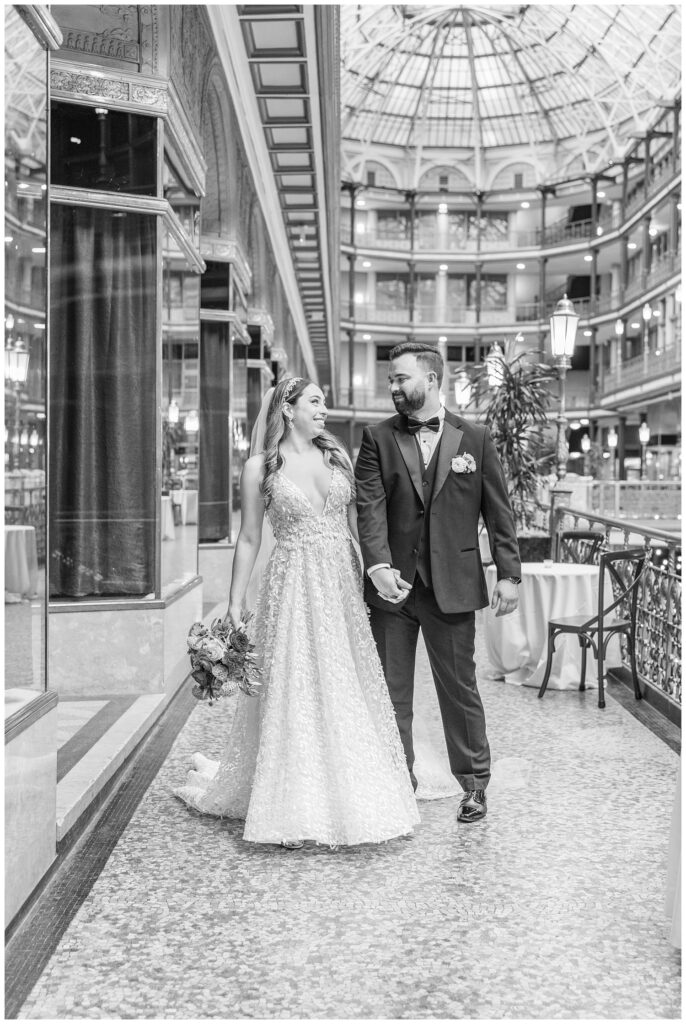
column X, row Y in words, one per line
column 658, row 630
column 642, row 369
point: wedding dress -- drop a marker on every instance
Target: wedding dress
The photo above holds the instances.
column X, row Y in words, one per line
column 317, row 755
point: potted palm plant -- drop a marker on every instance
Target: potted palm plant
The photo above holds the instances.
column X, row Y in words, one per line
column 512, row 394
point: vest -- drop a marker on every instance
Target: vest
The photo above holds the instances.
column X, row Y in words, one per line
column 428, row 481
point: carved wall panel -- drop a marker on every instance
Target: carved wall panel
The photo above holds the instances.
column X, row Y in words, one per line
column 122, row 34
column 191, row 54
column 215, row 217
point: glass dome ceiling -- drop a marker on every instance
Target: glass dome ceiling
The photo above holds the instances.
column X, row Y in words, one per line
column 423, row 76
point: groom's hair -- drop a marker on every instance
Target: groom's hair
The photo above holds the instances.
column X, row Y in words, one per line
column 428, row 356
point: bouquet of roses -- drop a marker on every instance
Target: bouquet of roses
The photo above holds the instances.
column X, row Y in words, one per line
column 222, row 661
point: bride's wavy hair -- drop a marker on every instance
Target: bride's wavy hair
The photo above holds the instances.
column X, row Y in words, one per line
column 287, row 393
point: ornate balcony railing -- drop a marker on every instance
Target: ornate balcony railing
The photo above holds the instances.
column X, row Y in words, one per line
column 564, row 231
column 644, row 368
column 658, row 630
column 660, row 178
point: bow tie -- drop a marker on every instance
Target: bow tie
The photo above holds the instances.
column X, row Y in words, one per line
column 414, row 426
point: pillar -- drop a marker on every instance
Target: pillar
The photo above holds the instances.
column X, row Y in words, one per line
column 621, row 448
column 542, row 261
column 441, row 296
column 646, row 259
column 623, row 267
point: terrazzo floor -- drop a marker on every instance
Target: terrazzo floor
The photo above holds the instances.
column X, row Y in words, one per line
column 551, row 908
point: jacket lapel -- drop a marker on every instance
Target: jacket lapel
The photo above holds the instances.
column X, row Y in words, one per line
column 409, row 451
column 451, row 439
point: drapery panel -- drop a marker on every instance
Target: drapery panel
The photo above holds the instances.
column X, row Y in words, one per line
column 214, row 456
column 102, row 403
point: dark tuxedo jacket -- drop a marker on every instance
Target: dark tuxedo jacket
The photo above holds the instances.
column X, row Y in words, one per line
column 391, row 508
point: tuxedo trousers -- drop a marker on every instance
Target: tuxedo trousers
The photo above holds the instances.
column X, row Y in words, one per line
column 449, row 640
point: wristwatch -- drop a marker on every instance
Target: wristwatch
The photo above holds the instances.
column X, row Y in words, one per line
column 513, row 579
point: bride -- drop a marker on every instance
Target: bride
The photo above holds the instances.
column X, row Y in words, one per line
column 317, row 756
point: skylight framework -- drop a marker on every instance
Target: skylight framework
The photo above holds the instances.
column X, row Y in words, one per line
column 584, row 77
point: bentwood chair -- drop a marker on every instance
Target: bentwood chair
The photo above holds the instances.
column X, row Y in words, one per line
column 580, row 546
column 624, row 568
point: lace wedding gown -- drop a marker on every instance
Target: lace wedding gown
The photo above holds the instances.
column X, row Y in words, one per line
column 317, row 755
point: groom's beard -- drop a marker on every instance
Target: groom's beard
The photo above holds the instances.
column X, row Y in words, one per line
column 407, row 404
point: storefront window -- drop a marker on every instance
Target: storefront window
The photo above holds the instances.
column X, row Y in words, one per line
column 215, row 433
column 25, row 355
column 102, row 403
column 99, row 148
column 180, row 419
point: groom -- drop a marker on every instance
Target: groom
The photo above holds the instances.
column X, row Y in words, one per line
column 423, row 477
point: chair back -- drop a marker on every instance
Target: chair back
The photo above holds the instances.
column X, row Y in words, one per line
column 625, row 568
column 580, row 546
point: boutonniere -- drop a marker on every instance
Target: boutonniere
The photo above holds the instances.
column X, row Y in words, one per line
column 463, row 464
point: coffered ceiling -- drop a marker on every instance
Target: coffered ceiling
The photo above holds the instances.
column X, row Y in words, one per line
column 282, row 57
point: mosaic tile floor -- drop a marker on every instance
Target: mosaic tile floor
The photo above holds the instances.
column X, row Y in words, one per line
column 553, row 907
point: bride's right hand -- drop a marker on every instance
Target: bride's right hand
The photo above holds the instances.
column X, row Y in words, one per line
column 234, row 616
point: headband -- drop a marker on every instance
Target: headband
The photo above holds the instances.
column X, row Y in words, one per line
column 290, row 386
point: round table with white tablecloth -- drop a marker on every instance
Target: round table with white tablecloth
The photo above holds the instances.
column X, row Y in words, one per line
column 187, row 502
column 516, row 644
column 168, row 531
column 21, row 561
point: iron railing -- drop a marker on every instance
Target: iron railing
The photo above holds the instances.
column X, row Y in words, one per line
column 658, row 629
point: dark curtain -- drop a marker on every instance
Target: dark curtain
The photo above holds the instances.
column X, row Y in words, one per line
column 102, row 403
column 214, row 456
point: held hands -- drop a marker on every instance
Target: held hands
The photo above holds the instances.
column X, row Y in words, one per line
column 390, row 585
column 505, row 597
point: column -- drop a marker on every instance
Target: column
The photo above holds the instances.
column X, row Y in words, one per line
column 478, row 267
column 592, row 359
column 673, row 229
column 441, row 297
column 645, row 268
column 370, row 385
column 443, row 349
column 646, row 169
column 625, row 186
column 544, row 198
column 601, row 367
column 621, row 447
column 594, row 206
column 411, row 198
column 542, row 261
column 623, row 267
column 676, row 137
column 594, row 282
column 480, row 199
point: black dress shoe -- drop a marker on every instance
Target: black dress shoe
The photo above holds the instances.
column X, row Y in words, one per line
column 472, row 806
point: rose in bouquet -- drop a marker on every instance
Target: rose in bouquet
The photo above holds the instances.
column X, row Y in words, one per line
column 223, row 661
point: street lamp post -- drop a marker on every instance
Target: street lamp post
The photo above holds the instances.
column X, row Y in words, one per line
column 644, row 438
column 612, row 440
column 563, row 325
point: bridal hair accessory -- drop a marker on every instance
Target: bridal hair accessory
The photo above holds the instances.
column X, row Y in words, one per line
column 290, row 386
column 222, row 661
column 463, row 464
